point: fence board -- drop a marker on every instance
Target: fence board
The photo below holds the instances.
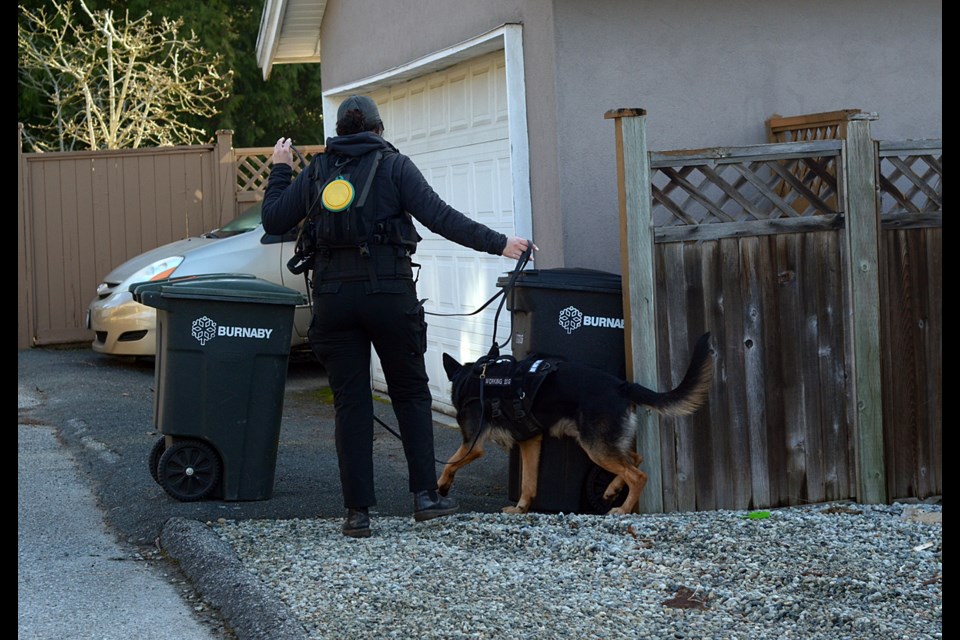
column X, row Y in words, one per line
column 794, row 418
column 120, row 222
column 775, row 276
column 66, row 262
column 912, row 325
column 669, row 435
column 50, row 281
column 131, row 202
column 702, row 271
column 100, row 224
column 837, row 480
column 167, row 220
column 684, row 439
column 86, row 262
column 814, row 250
column 931, row 470
column 754, row 373
column 732, row 459
column 901, row 442
column 155, row 228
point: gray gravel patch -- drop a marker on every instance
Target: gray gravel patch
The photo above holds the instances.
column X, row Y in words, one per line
column 841, row 571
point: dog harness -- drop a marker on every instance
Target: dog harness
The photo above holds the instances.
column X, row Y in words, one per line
column 507, row 388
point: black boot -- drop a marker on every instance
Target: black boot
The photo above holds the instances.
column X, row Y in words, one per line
column 357, row 524
column 428, row 505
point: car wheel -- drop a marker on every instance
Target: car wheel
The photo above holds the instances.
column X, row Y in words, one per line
column 189, row 470
column 153, row 461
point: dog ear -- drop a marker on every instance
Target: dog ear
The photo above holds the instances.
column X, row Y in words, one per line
column 451, row 366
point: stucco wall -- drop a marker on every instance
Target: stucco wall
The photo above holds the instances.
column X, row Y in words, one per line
column 711, row 73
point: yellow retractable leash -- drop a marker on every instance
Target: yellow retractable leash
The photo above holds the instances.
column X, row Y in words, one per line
column 338, row 195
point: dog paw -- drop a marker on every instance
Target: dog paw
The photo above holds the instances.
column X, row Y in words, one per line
column 617, row 511
column 514, row 510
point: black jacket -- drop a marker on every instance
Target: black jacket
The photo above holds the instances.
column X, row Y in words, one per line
column 398, row 189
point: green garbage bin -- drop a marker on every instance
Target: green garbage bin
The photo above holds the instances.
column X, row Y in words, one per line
column 576, row 314
column 223, row 346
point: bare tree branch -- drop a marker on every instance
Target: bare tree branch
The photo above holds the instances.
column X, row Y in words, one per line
column 116, row 84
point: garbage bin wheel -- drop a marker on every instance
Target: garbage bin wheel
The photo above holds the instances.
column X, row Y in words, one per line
column 189, row 470
column 595, row 483
column 154, row 459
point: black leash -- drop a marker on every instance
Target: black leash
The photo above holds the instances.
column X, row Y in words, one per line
column 514, row 274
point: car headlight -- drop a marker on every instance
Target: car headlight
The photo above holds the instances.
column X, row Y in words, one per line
column 159, row 270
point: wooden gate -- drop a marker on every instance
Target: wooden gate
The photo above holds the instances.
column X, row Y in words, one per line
column 820, row 296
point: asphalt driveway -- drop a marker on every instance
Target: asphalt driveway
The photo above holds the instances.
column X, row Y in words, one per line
column 102, row 410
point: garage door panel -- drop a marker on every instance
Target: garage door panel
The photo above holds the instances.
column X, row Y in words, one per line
column 476, row 185
column 466, row 99
column 485, row 188
column 459, row 102
column 481, row 92
column 419, row 129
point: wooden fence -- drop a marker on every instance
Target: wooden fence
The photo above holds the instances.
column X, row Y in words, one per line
column 816, row 263
column 816, row 266
column 80, row 214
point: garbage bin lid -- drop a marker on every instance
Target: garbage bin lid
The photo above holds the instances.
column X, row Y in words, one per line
column 567, row 279
column 223, row 287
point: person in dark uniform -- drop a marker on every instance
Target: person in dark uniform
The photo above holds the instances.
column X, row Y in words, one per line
column 363, row 195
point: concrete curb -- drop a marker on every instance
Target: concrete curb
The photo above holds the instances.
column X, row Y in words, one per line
column 251, row 610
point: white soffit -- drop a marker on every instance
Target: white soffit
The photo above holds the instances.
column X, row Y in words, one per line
column 289, row 33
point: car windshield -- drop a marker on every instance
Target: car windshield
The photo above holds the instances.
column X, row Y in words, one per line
column 246, row 221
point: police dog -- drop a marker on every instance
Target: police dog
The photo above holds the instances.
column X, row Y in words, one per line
column 590, row 405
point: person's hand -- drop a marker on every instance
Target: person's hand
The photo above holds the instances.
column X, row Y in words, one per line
column 516, row 246
column 282, row 153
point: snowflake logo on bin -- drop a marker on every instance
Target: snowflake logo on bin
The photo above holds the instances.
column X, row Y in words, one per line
column 570, row 319
column 204, row 329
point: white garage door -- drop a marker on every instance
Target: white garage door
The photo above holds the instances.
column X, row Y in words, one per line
column 453, row 125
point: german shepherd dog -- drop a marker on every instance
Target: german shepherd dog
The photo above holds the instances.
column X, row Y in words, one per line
column 590, row 405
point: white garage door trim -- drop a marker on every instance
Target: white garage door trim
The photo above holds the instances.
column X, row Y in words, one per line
column 507, row 160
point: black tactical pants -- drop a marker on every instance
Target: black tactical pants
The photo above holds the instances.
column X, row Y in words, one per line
column 347, row 320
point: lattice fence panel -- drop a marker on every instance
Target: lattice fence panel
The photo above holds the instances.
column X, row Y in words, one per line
column 827, row 125
column 253, row 165
column 704, row 191
column 911, row 180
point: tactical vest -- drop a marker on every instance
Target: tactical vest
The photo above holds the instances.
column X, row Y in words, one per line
column 342, row 239
column 507, row 389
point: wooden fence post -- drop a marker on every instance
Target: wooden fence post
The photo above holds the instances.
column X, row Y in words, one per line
column 226, row 172
column 636, row 265
column 863, row 277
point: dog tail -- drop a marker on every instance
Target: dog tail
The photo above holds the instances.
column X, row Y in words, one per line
column 689, row 395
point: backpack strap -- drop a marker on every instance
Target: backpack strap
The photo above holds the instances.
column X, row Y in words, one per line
column 364, row 221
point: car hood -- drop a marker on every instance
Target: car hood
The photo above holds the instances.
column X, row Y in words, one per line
column 176, row 248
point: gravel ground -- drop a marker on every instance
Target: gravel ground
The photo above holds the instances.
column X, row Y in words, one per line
column 838, row 571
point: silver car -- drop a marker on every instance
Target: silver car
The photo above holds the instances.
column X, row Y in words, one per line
column 124, row 327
